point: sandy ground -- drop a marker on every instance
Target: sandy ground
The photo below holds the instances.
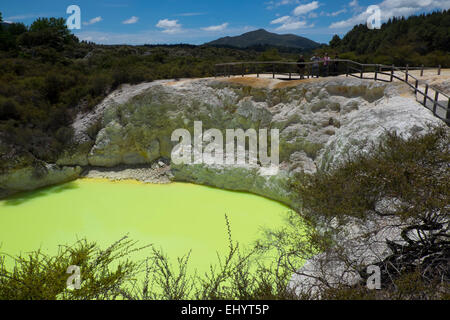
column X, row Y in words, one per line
column 439, row 82
column 158, row 173
column 442, row 81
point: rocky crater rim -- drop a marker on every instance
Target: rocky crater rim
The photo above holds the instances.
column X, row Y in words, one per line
column 321, row 122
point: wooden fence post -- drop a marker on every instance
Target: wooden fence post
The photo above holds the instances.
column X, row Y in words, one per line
column 439, row 70
column 421, row 71
column 436, row 97
column 425, row 95
column 273, row 71
column 347, row 70
column 392, row 73
column 376, row 72
column 417, row 85
column 448, row 112
column 406, row 74
column 242, row 70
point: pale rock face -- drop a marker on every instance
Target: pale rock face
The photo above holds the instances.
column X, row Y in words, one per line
column 363, row 127
column 300, row 162
column 353, row 248
column 238, row 178
column 26, row 179
column 319, row 124
column 116, row 144
column 120, row 96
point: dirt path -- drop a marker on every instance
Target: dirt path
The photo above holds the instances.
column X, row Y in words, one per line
column 430, row 77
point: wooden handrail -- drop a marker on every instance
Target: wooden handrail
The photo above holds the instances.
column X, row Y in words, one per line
column 321, row 61
column 361, row 68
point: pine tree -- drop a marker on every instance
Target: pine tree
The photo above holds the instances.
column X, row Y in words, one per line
column 335, row 42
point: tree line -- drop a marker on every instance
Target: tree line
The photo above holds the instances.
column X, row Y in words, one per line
column 47, row 76
column 420, row 39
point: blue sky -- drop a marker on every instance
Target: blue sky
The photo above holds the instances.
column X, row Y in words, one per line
column 199, row 21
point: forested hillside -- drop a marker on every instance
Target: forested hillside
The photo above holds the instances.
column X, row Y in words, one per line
column 47, row 76
column 263, row 39
column 422, row 39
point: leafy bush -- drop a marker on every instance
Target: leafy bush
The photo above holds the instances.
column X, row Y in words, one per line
column 421, row 39
column 8, row 109
column 38, row 276
column 413, row 176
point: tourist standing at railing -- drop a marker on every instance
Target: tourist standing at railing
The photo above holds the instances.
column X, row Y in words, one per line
column 326, row 64
column 335, row 65
column 315, row 66
column 301, row 66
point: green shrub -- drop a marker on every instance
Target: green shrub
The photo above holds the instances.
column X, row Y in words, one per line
column 8, row 109
column 99, row 85
column 64, row 135
column 415, row 173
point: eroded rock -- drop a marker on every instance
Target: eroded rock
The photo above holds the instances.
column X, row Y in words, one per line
column 320, row 123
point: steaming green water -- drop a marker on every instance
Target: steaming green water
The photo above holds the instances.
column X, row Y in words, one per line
column 177, row 217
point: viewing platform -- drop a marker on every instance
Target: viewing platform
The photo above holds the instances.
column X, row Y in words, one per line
column 430, row 85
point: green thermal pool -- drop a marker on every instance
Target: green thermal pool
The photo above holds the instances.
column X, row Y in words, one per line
column 177, row 217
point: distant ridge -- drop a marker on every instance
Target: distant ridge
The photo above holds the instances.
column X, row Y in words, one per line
column 264, row 38
column 5, row 24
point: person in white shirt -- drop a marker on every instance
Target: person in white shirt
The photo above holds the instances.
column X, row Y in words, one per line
column 315, row 66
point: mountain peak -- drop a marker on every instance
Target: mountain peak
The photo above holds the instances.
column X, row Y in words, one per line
column 262, row 37
column 260, row 31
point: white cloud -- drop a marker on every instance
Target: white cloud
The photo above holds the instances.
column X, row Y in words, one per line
column 169, row 26
column 221, row 27
column 295, row 25
column 132, row 20
column 305, row 8
column 353, row 3
column 393, row 8
column 276, row 4
column 172, row 31
column 280, row 20
column 92, row 21
column 336, row 13
column 25, row 16
column 290, row 23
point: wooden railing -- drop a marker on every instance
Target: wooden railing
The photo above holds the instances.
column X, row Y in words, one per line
column 432, row 98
